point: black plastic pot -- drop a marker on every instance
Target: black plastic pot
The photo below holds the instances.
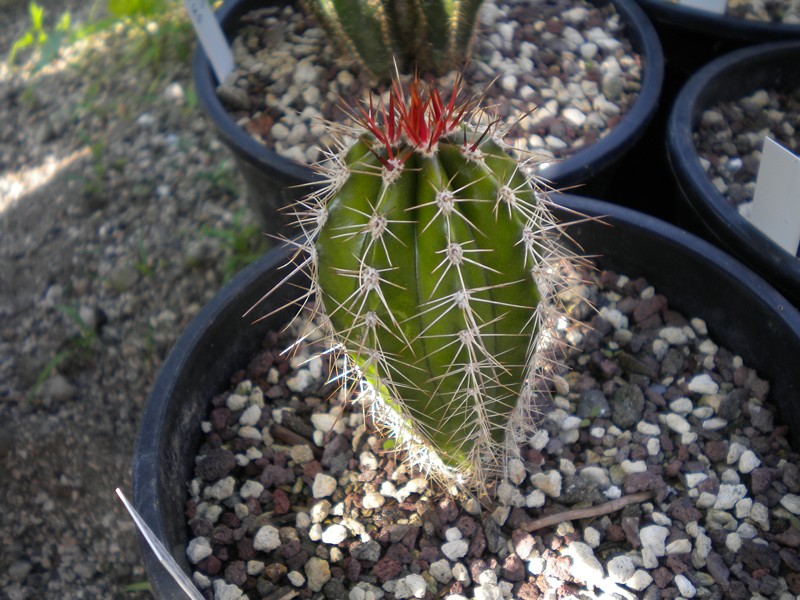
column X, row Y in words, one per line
column 270, row 177
column 692, row 37
column 742, row 311
column 732, row 76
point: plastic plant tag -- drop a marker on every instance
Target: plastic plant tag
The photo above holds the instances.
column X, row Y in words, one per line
column 163, row 555
column 211, row 37
column 713, row 6
column 776, row 204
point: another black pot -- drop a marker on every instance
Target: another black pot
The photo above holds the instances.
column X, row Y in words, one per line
column 732, row 76
column 742, row 312
column 692, row 37
column 270, row 177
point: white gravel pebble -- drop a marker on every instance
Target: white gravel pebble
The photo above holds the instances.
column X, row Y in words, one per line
column 681, row 405
column 455, row 549
column 685, row 586
column 372, row 500
column 728, row 495
column 250, row 416
column 646, row 428
column 639, row 580
column 748, row 461
column 226, row 591
column 703, row 384
column 516, row 471
column 682, row 546
column 323, row 486
column 251, row 489
column 621, row 568
column 592, row 537
column 585, row 566
column 441, row 571
column 791, row 502
column 411, row 586
column 296, row 578
column 334, row 534
column 735, row 451
column 677, row 423
column 221, row 490
column 714, row 424
column 673, row 335
column 653, row 537
column 266, row 539
column 318, row 573
column 549, row 483
column 198, row 549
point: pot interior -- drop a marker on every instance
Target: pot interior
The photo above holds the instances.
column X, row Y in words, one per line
column 742, row 312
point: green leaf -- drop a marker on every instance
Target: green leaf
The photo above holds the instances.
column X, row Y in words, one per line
column 37, row 17
column 50, row 50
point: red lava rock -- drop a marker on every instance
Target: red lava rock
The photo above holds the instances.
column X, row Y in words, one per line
column 648, row 307
column 615, row 533
column 260, row 365
column 467, row 526
column 410, row 538
column 529, row 591
column 222, row 535
column 280, row 502
column 662, row 577
column 399, row 553
column 478, row 544
column 216, row 465
column 297, row 562
column 523, row 542
column 311, row 469
column 231, row 520
column 793, row 582
column 210, row 565
column 386, row 569
column 236, row 573
column 513, row 568
column 219, row 418
column 244, row 547
column 447, row 509
column 677, row 563
column 352, row 568
column 716, row 450
column 790, row 537
column 683, row 510
column 646, row 480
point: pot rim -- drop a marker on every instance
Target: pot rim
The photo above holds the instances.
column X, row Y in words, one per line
column 152, row 450
column 735, row 28
column 574, row 169
column 740, row 236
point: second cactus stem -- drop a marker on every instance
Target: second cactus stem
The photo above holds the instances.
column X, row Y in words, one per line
column 430, row 251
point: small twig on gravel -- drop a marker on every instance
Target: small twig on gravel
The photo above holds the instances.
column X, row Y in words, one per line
column 588, row 512
column 287, row 436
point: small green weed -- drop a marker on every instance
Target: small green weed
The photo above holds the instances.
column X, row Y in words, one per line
column 243, row 241
column 78, row 348
column 38, row 39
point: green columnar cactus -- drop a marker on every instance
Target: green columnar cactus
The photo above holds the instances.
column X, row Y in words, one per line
column 432, row 36
column 430, row 251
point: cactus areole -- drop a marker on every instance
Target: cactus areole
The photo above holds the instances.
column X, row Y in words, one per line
column 425, row 250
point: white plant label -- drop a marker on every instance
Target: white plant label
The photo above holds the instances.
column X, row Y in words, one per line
column 713, row 6
column 211, row 37
column 776, row 204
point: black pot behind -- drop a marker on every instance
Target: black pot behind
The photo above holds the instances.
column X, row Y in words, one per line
column 692, row 37
column 742, row 311
column 272, row 180
column 734, row 75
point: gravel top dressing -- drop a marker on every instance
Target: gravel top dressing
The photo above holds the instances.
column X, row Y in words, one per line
column 565, row 75
column 294, row 496
column 730, row 137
